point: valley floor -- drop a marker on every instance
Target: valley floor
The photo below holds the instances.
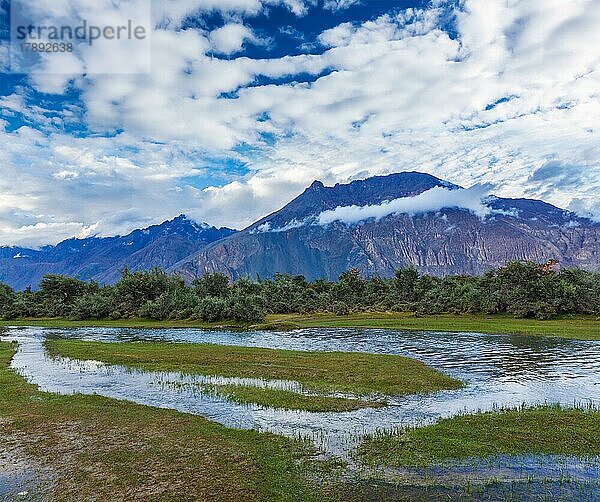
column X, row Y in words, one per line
column 549, row 430
column 574, row 327
column 95, row 448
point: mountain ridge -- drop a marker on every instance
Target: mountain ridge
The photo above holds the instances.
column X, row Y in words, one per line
column 102, row 258
column 375, row 225
column 448, row 240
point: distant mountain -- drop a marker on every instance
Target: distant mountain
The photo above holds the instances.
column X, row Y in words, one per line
column 102, row 259
column 382, row 223
column 375, row 225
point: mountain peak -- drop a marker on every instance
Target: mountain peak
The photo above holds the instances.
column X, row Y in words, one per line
column 102, row 259
column 295, row 241
column 318, row 197
column 184, row 221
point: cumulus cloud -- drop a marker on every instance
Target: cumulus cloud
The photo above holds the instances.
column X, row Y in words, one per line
column 474, row 200
column 230, row 38
column 266, row 227
column 336, row 5
column 407, row 23
column 433, row 200
column 46, row 231
column 507, row 94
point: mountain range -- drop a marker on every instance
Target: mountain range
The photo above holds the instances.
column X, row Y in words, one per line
column 375, row 225
column 386, row 222
column 103, row 258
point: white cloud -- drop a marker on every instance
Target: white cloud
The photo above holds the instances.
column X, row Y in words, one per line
column 171, row 13
column 66, row 175
column 230, row 38
column 433, row 200
column 290, row 225
column 336, row 5
column 515, row 87
column 406, row 23
column 46, row 231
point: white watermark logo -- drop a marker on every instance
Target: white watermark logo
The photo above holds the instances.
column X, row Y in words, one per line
column 81, row 36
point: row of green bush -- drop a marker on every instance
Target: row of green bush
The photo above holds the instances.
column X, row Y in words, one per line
column 523, row 289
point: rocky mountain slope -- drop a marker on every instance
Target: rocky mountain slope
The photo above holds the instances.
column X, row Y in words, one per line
column 102, row 259
column 382, row 223
column 375, row 225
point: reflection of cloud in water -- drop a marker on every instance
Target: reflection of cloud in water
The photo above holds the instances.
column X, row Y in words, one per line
column 500, row 370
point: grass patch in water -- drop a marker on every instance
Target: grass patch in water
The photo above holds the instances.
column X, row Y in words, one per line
column 104, row 449
column 546, row 430
column 349, row 372
column 289, row 400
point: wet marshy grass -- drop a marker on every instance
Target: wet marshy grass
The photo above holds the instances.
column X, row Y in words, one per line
column 101, row 446
column 491, row 489
column 537, row 430
column 358, row 373
column 568, row 326
column 279, row 398
column 546, row 452
column 98, row 448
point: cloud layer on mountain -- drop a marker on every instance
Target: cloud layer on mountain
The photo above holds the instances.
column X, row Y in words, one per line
column 432, row 200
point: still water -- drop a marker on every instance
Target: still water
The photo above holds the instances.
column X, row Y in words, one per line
column 499, row 370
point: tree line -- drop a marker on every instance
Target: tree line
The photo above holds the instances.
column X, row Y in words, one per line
column 522, row 289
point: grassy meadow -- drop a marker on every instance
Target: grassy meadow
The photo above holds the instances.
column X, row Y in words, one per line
column 574, row 327
column 97, row 448
column 104, row 449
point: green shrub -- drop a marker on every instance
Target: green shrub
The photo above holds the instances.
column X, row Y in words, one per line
column 213, row 309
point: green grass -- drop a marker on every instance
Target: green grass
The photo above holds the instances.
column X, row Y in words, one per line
column 578, row 327
column 276, row 398
column 353, row 372
column 526, row 430
column 104, row 449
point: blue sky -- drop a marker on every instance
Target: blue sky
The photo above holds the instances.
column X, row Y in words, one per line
column 248, row 101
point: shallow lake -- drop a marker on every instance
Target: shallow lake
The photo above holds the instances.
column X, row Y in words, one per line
column 499, row 370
